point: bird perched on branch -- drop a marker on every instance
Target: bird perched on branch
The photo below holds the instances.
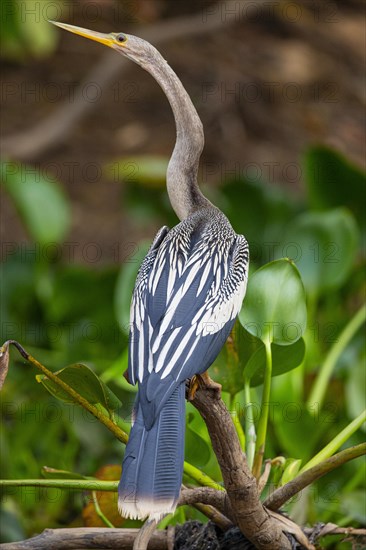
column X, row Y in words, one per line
column 188, row 293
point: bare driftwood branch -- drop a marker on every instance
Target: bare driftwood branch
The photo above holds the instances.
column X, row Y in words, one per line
column 283, row 494
column 92, row 537
column 49, row 132
column 333, row 529
column 206, row 495
column 250, row 516
column 211, row 502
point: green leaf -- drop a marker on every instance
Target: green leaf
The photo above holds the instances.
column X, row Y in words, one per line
column 333, row 181
column 84, row 381
column 125, row 285
column 284, row 359
column 226, row 369
column 274, row 307
column 327, row 246
column 249, row 202
column 244, row 353
column 197, row 450
column 41, row 203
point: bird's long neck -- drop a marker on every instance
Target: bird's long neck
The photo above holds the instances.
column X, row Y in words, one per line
column 184, row 193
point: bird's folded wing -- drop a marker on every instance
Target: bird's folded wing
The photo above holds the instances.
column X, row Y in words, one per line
column 186, row 299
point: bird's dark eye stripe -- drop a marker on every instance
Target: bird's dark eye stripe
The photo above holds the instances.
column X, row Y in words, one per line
column 121, row 38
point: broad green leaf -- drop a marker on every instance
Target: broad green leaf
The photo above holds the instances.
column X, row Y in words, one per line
column 284, row 359
column 197, row 450
column 198, row 426
column 274, row 308
column 125, row 285
column 248, row 203
column 327, row 246
column 84, row 381
column 41, row 203
column 243, row 356
column 333, row 181
column 226, row 368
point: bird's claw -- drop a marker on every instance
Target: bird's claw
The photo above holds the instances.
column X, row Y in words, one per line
column 203, row 381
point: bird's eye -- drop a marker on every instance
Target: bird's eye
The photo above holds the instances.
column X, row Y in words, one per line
column 121, row 38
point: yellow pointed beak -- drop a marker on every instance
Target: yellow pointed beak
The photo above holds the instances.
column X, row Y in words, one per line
column 106, row 39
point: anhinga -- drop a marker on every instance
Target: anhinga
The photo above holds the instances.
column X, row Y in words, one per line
column 188, row 293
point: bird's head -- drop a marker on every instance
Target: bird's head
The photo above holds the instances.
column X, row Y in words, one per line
column 128, row 45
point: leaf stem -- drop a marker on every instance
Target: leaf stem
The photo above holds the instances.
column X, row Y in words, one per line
column 280, row 496
column 263, row 419
column 236, row 421
column 319, row 389
column 337, row 442
column 99, row 512
column 120, row 434
column 201, row 477
column 250, row 432
column 73, row 484
column 189, row 469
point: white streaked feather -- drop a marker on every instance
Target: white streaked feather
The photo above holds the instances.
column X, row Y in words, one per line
column 157, row 276
column 164, row 352
column 190, row 278
column 192, row 348
column 179, row 352
column 141, row 355
column 165, row 325
column 204, row 277
column 225, row 277
column 150, row 367
column 171, row 281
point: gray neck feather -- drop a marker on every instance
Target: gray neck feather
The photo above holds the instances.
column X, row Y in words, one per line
column 184, row 193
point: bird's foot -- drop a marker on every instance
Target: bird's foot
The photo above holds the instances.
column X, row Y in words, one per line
column 203, row 381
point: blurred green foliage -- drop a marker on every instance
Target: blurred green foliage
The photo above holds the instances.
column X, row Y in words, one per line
column 24, row 28
column 65, row 313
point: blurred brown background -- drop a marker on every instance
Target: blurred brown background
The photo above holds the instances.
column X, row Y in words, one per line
column 270, row 79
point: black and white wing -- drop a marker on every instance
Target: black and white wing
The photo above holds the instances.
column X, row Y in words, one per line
column 188, row 294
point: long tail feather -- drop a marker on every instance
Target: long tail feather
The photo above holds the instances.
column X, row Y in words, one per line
column 153, row 465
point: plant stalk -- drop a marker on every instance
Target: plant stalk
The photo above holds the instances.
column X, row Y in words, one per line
column 263, row 419
column 336, row 443
column 250, row 432
column 320, row 386
column 189, row 469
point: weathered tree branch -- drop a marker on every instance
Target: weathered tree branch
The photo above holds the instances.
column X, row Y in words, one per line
column 92, row 537
column 206, row 495
column 333, row 529
column 250, row 516
column 283, row 494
